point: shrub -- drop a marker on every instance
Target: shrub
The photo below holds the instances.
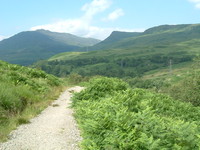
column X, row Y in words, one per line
column 76, row 79
column 8, row 99
column 134, row 119
column 23, row 94
column 188, row 89
column 101, row 87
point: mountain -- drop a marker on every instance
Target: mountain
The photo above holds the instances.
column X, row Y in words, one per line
column 70, row 39
column 114, row 38
column 28, row 47
column 160, row 35
column 132, row 54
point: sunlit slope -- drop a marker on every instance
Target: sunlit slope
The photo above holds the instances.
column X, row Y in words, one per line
column 156, row 36
column 132, row 56
column 28, row 47
column 65, row 56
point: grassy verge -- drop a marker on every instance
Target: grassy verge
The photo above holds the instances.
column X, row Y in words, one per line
column 24, row 93
column 12, row 121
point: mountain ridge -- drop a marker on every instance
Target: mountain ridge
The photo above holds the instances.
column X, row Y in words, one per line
column 69, row 38
column 115, row 36
column 131, row 56
column 156, row 35
column 28, row 47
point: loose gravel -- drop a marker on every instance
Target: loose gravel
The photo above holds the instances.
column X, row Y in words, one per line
column 54, row 129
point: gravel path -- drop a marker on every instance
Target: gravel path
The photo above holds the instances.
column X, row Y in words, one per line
column 54, row 129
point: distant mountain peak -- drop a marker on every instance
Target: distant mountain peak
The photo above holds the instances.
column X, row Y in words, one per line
column 114, row 37
column 48, row 31
column 165, row 28
column 123, row 34
column 28, row 47
column 42, row 30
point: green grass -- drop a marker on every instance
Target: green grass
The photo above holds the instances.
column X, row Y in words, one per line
column 24, row 93
column 65, row 56
column 181, row 71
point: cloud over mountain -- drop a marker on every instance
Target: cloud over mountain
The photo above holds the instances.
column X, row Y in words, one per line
column 83, row 25
column 2, row 37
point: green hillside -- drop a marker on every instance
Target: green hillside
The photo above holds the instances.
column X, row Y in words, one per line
column 28, row 47
column 65, row 56
column 132, row 56
column 70, row 39
column 156, row 36
column 24, row 92
column 114, row 38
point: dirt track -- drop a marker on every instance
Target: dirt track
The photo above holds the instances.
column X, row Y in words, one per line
column 54, row 129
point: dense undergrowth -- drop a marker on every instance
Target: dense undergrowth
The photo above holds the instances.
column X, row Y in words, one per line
column 24, row 92
column 113, row 116
column 188, row 89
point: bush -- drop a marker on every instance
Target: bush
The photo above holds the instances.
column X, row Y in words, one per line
column 134, row 119
column 188, row 89
column 8, row 99
column 22, row 86
column 24, row 92
column 75, row 79
column 101, row 87
column 155, row 84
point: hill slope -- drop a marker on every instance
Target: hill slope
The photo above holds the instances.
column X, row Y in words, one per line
column 28, row 47
column 131, row 56
column 70, row 39
column 115, row 37
column 160, row 35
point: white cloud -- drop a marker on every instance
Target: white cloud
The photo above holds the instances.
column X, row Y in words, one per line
column 79, row 27
column 115, row 14
column 82, row 26
column 198, row 5
column 2, row 37
column 196, row 2
column 74, row 26
column 95, row 7
column 102, row 33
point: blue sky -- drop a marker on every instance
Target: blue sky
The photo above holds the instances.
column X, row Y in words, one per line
column 94, row 18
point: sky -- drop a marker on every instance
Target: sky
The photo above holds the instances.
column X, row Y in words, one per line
column 94, row 18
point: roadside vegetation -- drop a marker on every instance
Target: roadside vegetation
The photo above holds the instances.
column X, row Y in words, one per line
column 24, row 93
column 111, row 115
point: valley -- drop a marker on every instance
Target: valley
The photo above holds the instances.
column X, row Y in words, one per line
column 141, row 89
column 130, row 54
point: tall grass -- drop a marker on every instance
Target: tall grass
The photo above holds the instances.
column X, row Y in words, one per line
column 24, row 93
